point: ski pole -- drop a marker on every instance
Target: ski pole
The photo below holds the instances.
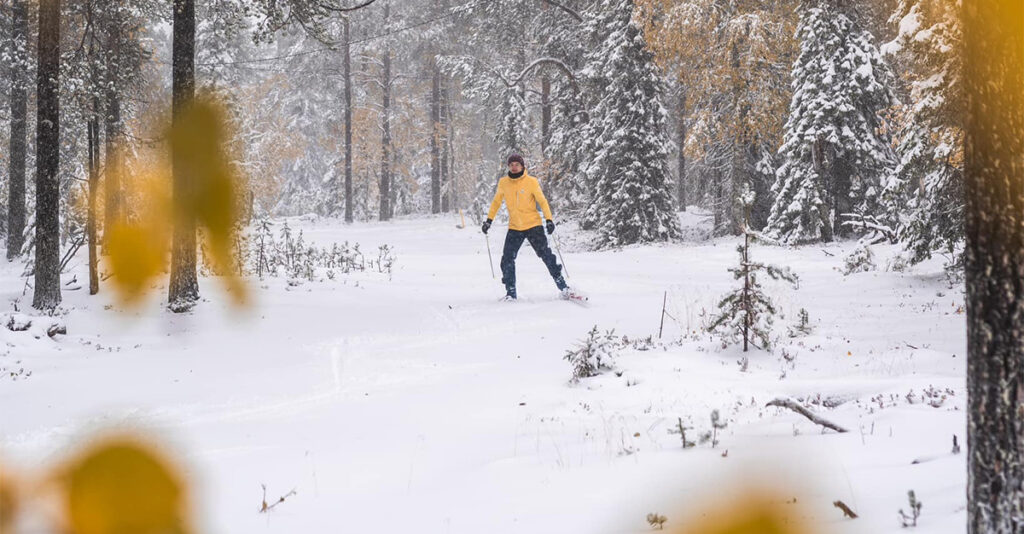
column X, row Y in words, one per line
column 559, row 250
column 489, row 260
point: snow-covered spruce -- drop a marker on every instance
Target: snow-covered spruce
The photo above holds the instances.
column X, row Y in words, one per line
column 631, row 199
column 746, row 313
column 929, row 133
column 835, row 154
column 594, row 355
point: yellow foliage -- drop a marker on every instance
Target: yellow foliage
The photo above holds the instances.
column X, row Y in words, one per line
column 747, row 514
column 8, row 501
column 120, row 486
column 138, row 249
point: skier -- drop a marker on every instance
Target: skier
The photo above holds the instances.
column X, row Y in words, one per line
column 521, row 193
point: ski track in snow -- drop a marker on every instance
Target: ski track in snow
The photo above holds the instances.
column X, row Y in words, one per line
column 424, row 403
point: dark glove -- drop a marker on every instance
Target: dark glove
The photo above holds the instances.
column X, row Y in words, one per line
column 486, row 226
column 551, row 226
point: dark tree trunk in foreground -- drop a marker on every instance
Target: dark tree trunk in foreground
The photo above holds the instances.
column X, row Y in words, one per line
column 47, row 261
column 348, row 123
column 19, row 128
column 184, row 286
column 994, row 272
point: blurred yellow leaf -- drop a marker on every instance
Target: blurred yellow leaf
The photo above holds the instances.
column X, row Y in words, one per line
column 120, row 487
column 8, row 501
column 747, row 514
column 136, row 257
column 200, row 144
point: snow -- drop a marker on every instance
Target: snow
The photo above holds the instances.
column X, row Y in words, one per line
column 423, row 404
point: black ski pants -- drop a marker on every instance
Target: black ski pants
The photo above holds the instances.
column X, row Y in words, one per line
column 513, row 241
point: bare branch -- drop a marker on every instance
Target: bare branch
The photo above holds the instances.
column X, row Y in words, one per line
column 566, row 9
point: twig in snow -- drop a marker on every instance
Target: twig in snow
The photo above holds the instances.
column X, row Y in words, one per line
column 793, row 405
column 846, row 509
column 264, row 508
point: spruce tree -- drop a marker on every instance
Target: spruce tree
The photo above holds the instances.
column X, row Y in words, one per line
column 929, row 176
column 632, row 198
column 834, row 154
column 745, row 314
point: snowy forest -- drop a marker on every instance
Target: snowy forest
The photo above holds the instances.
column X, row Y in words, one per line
column 238, row 232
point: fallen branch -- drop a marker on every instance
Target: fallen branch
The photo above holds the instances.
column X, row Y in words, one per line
column 846, row 509
column 793, row 405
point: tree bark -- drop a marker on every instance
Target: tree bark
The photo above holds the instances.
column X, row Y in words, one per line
column 18, row 127
column 90, row 226
column 47, row 261
column 435, row 140
column 348, row 122
column 446, row 145
column 994, row 269
column 545, row 115
column 681, row 162
column 184, row 284
column 112, row 123
column 385, row 145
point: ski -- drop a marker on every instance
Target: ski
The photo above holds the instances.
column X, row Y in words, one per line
column 575, row 296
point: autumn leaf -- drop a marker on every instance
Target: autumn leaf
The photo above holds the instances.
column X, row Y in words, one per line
column 121, row 486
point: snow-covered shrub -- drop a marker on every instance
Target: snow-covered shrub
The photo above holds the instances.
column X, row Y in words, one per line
column 861, row 260
column 261, row 253
column 594, row 355
column 898, row 264
column 910, row 519
column 803, row 324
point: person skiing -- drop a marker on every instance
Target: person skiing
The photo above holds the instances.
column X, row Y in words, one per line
column 521, row 194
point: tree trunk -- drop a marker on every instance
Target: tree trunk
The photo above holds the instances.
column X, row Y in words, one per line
column 184, row 285
column 18, row 125
column 446, row 145
column 435, row 140
column 47, row 262
column 994, row 270
column 112, row 123
column 681, row 163
column 545, row 115
column 348, row 123
column 385, row 157
column 90, row 226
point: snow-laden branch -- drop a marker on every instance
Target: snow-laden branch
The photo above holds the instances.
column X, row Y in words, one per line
column 536, row 63
column 814, row 418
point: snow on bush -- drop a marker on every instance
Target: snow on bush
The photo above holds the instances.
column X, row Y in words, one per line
column 594, row 355
column 861, row 260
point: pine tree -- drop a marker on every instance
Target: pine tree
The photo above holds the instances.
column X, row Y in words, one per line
column 183, row 291
column 930, row 137
column 46, row 294
column 18, row 63
column 631, row 199
column 835, row 154
column 746, row 312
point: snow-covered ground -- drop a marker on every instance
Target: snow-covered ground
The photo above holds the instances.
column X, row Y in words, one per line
column 423, row 404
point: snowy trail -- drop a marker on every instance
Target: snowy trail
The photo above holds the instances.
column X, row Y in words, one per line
column 423, row 403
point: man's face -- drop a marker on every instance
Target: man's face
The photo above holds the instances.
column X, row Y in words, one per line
column 515, row 167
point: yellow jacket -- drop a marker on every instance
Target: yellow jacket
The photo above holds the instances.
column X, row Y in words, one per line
column 521, row 196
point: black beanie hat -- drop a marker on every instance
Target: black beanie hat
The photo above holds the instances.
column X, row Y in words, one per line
column 516, row 158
